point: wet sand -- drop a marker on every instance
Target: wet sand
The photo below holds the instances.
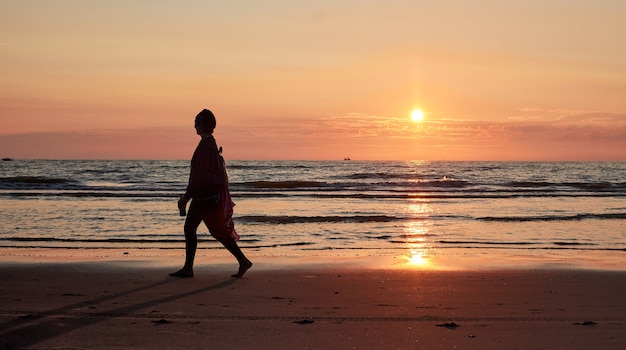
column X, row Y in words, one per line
column 133, row 304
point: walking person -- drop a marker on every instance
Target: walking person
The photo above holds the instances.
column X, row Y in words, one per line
column 210, row 199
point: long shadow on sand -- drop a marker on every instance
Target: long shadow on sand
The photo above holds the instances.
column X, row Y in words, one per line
column 28, row 330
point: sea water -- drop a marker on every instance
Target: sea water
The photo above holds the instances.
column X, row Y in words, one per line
column 336, row 207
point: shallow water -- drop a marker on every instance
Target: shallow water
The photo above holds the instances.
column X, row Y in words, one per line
column 343, row 207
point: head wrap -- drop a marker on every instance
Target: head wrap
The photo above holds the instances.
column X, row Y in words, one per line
column 206, row 120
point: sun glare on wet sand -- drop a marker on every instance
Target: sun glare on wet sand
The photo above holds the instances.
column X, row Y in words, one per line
column 417, row 258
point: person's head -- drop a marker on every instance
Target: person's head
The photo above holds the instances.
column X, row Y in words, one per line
column 205, row 122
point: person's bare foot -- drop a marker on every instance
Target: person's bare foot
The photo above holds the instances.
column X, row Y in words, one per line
column 183, row 273
column 243, row 267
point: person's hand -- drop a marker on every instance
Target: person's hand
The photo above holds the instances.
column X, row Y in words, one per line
column 182, row 202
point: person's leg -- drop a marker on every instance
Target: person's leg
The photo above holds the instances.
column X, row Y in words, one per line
column 233, row 248
column 214, row 220
column 193, row 220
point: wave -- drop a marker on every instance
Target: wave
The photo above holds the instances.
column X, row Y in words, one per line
column 265, row 165
column 527, row 245
column 444, row 184
column 605, row 216
column 33, row 180
column 305, row 246
column 304, row 184
column 91, row 240
column 111, row 240
column 529, row 184
column 78, row 191
column 488, row 243
column 518, row 243
column 281, row 184
column 450, row 195
column 264, row 219
column 374, row 175
column 444, row 188
column 94, row 194
column 330, row 194
column 284, row 219
column 587, row 186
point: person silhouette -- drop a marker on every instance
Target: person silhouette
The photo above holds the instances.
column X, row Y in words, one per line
column 210, row 199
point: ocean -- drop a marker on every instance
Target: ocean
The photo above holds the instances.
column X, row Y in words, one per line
column 343, row 208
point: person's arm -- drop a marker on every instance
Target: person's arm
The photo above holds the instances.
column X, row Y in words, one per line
column 202, row 170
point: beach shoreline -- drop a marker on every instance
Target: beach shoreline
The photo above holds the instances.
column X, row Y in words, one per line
column 461, row 259
column 127, row 301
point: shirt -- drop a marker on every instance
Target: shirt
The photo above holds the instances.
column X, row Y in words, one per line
column 204, row 168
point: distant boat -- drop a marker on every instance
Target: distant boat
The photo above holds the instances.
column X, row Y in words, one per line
column 346, row 158
column 7, row 159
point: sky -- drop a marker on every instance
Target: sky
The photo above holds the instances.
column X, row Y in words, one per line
column 530, row 80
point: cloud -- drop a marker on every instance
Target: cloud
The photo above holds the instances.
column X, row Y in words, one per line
column 597, row 136
column 157, row 143
column 591, row 127
column 577, row 137
column 600, row 127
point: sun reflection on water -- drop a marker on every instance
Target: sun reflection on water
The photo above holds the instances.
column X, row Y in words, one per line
column 419, row 249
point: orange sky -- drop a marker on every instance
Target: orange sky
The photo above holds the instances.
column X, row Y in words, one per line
column 514, row 80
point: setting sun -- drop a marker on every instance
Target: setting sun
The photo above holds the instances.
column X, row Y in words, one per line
column 417, row 115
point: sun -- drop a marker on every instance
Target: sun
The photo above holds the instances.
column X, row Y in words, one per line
column 417, row 115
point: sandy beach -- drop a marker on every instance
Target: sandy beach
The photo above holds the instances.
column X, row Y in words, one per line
column 133, row 304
